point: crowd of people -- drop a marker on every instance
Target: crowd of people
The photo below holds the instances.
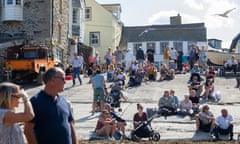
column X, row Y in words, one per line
column 48, row 118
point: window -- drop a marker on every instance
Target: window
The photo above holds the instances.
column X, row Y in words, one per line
column 75, row 16
column 59, row 54
column 177, row 45
column 18, row 2
column 94, row 38
column 135, row 47
column 163, row 45
column 88, row 13
column 59, row 34
column 9, row 2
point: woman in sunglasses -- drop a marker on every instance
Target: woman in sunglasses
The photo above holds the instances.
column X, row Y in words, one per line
column 10, row 131
column 106, row 126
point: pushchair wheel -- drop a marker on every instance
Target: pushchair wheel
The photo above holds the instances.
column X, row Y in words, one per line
column 134, row 137
column 155, row 137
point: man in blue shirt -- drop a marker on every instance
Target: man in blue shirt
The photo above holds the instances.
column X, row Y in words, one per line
column 98, row 84
column 53, row 122
column 224, row 125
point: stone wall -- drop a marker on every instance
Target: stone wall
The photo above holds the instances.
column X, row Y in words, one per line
column 37, row 24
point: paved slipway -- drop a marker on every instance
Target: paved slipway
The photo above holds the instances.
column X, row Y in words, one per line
column 148, row 95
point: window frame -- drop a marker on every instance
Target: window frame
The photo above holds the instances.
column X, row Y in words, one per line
column 88, row 13
column 18, row 2
column 162, row 46
column 91, row 39
column 9, row 2
column 75, row 18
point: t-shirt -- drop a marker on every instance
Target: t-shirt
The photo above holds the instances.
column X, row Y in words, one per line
column 194, row 99
column 223, row 122
column 140, row 54
column 204, row 117
column 186, row 105
column 9, row 134
column 138, row 118
column 97, row 81
column 150, row 54
column 52, row 119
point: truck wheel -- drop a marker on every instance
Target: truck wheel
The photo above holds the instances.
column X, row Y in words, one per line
column 40, row 78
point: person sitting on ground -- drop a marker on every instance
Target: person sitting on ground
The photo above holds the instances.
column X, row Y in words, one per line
column 151, row 72
column 205, row 120
column 231, row 64
column 136, row 80
column 106, row 126
column 119, row 66
column 138, row 119
column 208, row 89
column 186, row 107
column 195, row 101
column 195, row 72
column 110, row 73
column 210, row 73
column 166, row 104
column 223, row 125
column 120, row 77
column 134, row 68
column 195, row 85
column 176, row 101
column 165, row 73
column 69, row 70
column 121, row 123
column 172, row 65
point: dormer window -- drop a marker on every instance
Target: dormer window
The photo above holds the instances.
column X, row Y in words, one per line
column 12, row 10
column 18, row 2
column 9, row 2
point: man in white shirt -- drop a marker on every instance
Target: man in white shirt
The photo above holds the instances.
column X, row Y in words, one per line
column 77, row 65
column 128, row 58
column 224, row 125
column 173, row 55
column 231, row 64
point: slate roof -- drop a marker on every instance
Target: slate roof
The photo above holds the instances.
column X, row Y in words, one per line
column 183, row 32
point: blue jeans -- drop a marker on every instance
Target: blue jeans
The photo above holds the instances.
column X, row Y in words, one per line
column 218, row 130
column 76, row 73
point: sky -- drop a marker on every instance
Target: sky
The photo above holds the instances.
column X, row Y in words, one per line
column 157, row 12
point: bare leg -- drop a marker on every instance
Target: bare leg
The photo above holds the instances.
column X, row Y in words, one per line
column 101, row 105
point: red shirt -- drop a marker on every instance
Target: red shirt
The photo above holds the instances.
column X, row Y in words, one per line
column 138, row 118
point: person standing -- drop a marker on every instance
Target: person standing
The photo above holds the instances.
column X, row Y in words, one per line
column 108, row 57
column 150, row 53
column 98, row 85
column 140, row 56
column 223, row 125
column 128, row 58
column 77, row 64
column 118, row 55
column 179, row 59
column 173, row 54
column 202, row 58
column 53, row 122
column 166, row 56
column 10, row 131
column 192, row 56
column 97, row 59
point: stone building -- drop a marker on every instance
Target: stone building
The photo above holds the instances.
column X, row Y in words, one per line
column 36, row 22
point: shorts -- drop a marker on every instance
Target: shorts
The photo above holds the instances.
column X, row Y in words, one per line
column 98, row 94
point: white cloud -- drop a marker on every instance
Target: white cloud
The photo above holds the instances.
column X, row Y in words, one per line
column 194, row 4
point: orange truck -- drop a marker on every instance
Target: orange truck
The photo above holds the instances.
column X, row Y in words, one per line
column 27, row 63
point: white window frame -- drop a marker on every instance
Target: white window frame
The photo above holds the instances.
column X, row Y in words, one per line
column 9, row 2
column 75, row 16
column 162, row 46
column 59, row 54
column 94, row 38
column 177, row 44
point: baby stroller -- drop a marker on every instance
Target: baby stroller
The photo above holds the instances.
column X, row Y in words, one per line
column 114, row 97
column 152, row 135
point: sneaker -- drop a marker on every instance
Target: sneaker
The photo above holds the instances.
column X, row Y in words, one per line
column 92, row 112
column 73, row 85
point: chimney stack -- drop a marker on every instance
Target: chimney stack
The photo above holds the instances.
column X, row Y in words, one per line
column 176, row 20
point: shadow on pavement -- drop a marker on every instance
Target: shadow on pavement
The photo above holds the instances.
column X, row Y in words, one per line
column 86, row 118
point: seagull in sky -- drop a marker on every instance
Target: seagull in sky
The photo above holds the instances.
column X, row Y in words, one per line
column 225, row 14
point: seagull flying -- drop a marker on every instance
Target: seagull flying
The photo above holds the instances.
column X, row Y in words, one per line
column 225, row 14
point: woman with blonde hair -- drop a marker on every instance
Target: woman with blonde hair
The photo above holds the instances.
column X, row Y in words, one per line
column 10, row 132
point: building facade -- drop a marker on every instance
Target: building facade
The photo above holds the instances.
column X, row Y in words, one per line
column 162, row 36
column 103, row 26
column 36, row 22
